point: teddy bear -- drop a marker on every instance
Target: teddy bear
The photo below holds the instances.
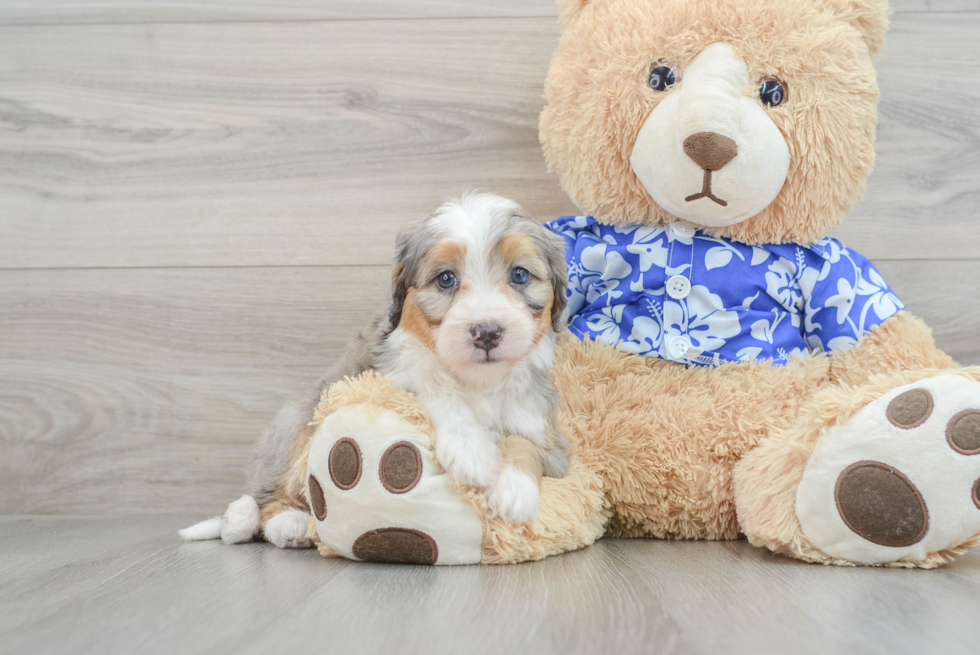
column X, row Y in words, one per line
column 729, row 370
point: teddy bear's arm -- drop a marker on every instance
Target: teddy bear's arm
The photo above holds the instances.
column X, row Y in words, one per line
column 903, row 342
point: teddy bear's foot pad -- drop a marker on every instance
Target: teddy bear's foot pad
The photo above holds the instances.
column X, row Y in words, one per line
column 396, row 545
column 901, row 479
column 377, row 493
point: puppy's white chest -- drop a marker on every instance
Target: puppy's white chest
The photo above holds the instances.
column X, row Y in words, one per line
column 492, row 411
column 505, row 414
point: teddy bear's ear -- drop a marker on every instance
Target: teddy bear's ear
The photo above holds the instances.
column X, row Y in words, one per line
column 570, row 8
column 870, row 17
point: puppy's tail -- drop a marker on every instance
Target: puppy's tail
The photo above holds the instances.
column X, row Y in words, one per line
column 206, row 529
column 240, row 523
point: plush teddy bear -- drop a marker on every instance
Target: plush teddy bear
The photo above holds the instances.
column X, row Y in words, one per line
column 731, row 370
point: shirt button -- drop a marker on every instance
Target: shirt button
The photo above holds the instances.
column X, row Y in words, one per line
column 678, row 287
column 678, row 347
column 682, row 230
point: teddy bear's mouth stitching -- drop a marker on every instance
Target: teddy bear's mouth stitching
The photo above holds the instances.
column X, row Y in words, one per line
column 706, row 191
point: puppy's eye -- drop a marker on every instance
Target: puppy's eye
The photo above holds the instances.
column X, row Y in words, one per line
column 662, row 76
column 772, row 92
column 446, row 280
column 520, row 276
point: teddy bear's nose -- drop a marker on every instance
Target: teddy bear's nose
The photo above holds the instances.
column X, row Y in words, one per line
column 710, row 150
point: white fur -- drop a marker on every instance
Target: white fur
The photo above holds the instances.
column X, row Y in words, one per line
column 475, row 402
column 206, row 529
column 712, row 98
column 515, row 497
column 240, row 522
column 472, row 414
column 288, row 529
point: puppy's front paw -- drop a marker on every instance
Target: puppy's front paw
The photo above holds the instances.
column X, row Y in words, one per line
column 472, row 459
column 288, row 529
column 514, row 496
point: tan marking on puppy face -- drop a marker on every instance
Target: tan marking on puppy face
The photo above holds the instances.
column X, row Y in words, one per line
column 445, row 255
column 518, row 249
column 415, row 321
column 544, row 319
column 425, row 303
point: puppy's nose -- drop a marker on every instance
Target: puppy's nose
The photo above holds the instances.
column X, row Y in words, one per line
column 486, row 336
column 710, row 150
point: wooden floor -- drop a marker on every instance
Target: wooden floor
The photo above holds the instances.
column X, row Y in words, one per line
column 115, row 585
column 197, row 207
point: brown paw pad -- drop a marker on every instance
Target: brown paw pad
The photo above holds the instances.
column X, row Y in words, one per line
column 401, row 467
column 911, row 409
column 317, row 501
column 345, row 463
column 396, row 546
column 963, row 432
column 976, row 493
column 880, row 504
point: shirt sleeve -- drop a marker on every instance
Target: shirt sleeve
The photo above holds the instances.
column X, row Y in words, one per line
column 849, row 298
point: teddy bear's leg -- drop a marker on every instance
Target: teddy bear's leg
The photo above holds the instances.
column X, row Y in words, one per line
column 886, row 473
column 378, row 494
column 902, row 343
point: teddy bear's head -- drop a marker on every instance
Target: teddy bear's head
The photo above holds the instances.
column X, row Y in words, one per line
column 752, row 118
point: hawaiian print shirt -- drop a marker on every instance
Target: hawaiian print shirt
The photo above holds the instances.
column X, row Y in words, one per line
column 679, row 294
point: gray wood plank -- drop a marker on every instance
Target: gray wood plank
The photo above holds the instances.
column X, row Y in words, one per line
column 125, row 391
column 941, row 293
column 260, row 144
column 142, row 390
column 61, row 12
column 278, row 144
column 934, row 5
column 922, row 199
column 123, row 585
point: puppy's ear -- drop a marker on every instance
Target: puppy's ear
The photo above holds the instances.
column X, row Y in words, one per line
column 396, row 297
column 552, row 250
column 554, row 253
column 408, row 251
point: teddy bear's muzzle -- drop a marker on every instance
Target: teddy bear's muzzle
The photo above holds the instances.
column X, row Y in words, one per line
column 708, row 134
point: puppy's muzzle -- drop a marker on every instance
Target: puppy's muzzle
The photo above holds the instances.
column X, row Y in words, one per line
column 486, row 336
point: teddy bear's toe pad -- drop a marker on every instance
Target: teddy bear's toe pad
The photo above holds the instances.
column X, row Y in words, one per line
column 879, row 503
column 378, row 494
column 900, row 479
column 396, row 545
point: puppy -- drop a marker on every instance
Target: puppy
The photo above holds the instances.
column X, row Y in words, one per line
column 478, row 299
column 476, row 305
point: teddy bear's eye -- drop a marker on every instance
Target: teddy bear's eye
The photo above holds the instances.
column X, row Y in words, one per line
column 662, row 76
column 772, row 92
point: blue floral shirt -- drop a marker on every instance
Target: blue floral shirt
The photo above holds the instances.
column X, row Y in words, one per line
column 680, row 294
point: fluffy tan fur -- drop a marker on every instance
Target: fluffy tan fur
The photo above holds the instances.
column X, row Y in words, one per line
column 598, row 100
column 662, row 450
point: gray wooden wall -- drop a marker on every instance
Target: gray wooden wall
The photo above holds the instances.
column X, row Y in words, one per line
column 198, row 203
